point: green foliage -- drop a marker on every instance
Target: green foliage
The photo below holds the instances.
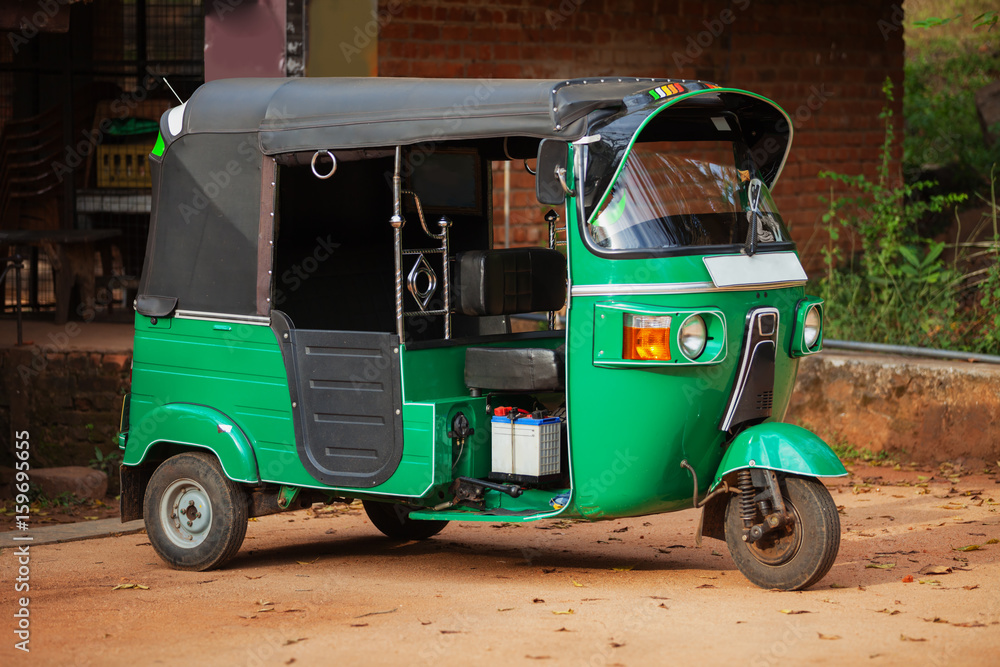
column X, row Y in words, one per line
column 986, row 19
column 944, row 68
column 848, row 453
column 38, row 497
column 933, row 21
column 989, row 289
column 983, row 19
column 897, row 289
column 109, row 462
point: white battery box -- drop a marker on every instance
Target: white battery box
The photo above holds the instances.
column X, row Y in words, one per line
column 526, row 450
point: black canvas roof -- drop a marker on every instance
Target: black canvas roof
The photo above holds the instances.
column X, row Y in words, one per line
column 306, row 114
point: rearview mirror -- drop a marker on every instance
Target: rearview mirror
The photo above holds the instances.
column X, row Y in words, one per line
column 553, row 156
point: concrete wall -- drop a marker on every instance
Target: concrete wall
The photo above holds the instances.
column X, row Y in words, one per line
column 921, row 410
column 823, row 62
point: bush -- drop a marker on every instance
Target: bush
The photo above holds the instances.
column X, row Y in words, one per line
column 897, row 287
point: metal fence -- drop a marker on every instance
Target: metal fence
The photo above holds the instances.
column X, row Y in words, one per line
column 104, row 81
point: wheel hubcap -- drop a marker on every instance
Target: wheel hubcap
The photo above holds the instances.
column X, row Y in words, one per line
column 186, row 513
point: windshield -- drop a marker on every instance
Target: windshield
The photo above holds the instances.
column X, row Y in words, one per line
column 676, row 194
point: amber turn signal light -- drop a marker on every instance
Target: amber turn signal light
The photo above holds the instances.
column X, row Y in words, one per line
column 646, row 337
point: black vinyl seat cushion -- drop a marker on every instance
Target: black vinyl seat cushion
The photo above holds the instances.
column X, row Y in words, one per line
column 509, row 281
column 518, row 369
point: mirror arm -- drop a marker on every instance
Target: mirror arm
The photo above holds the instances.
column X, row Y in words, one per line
column 561, row 175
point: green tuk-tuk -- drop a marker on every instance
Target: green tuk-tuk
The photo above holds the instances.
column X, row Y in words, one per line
column 323, row 316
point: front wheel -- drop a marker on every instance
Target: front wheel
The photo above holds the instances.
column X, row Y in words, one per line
column 394, row 521
column 196, row 517
column 796, row 555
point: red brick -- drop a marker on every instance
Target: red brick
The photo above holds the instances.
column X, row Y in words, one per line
column 776, row 49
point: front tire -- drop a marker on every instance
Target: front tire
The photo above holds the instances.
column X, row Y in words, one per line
column 394, row 521
column 795, row 556
column 196, row 517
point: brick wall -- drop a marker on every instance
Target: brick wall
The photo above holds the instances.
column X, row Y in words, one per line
column 823, row 62
column 70, row 401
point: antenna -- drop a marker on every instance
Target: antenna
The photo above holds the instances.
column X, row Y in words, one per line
column 172, row 89
column 151, row 72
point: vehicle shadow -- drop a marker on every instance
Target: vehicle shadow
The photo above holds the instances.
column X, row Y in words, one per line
column 516, row 552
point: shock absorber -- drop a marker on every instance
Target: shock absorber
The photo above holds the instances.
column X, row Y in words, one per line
column 747, row 493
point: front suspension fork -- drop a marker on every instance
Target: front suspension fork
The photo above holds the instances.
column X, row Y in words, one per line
column 759, row 490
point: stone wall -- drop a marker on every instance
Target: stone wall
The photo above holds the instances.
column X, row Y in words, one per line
column 922, row 410
column 70, row 402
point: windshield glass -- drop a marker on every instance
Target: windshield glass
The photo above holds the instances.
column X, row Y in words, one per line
column 675, row 194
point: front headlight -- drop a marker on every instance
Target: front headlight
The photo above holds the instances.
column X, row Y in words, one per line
column 693, row 336
column 810, row 330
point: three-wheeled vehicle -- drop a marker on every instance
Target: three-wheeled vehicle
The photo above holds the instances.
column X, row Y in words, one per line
column 323, row 316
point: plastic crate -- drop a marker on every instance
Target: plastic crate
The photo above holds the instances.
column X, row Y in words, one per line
column 526, row 450
column 124, row 165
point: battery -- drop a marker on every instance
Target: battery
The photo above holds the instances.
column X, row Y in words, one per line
column 526, row 450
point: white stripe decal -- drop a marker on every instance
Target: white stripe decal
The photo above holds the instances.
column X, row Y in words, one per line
column 672, row 288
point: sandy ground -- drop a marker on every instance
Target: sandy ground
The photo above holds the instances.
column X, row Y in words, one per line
column 323, row 587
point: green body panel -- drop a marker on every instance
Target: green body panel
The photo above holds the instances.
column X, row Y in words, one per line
column 195, row 426
column 158, row 146
column 233, row 369
column 631, row 426
column 236, row 370
column 781, row 447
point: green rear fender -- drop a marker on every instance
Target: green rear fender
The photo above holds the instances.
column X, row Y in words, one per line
column 781, row 447
column 190, row 425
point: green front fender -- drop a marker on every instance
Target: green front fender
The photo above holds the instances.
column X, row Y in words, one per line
column 198, row 426
column 781, row 447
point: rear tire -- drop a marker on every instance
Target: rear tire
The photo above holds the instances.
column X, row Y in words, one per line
column 795, row 556
column 196, row 517
column 394, row 521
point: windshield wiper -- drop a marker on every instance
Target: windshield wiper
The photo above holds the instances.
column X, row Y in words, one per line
column 750, row 247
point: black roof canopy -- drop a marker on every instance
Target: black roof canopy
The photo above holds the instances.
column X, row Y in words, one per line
column 307, row 114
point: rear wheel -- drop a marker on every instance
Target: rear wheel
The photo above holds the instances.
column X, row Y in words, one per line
column 794, row 556
column 394, row 521
column 196, row 517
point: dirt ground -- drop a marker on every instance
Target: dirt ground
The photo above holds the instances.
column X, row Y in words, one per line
column 321, row 586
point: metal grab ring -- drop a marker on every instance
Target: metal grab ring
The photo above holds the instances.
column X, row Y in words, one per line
column 333, row 168
column 527, row 168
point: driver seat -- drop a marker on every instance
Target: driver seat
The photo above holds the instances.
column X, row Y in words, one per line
column 506, row 282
